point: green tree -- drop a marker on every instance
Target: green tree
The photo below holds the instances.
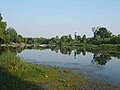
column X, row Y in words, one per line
column 20, row 39
column 101, row 32
column 2, row 30
column 70, row 38
column 13, row 34
column 78, row 39
column 84, row 38
column 94, row 30
column 64, row 40
column 75, row 35
column 115, row 40
column 29, row 40
column 54, row 40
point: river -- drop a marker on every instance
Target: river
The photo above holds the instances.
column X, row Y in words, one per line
column 101, row 66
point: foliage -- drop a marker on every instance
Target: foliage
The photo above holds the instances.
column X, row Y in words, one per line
column 54, row 40
column 101, row 32
column 12, row 33
column 64, row 40
column 101, row 36
column 8, row 35
column 2, row 29
column 41, row 40
column 84, row 38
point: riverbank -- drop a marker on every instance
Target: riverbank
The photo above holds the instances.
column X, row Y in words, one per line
column 18, row 75
column 85, row 45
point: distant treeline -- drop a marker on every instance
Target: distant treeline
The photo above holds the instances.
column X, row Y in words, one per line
column 100, row 36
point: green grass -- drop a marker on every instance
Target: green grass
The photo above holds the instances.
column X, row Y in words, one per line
column 18, row 75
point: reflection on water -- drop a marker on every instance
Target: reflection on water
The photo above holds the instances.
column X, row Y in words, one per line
column 99, row 57
column 100, row 64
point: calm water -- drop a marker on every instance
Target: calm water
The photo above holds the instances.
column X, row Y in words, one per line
column 104, row 67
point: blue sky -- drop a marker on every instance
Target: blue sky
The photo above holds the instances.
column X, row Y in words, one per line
column 48, row 18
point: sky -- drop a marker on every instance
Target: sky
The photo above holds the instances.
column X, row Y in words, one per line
column 48, row 18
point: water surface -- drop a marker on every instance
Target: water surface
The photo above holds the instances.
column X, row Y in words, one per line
column 100, row 66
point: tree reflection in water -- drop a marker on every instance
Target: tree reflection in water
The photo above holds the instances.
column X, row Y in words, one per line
column 100, row 57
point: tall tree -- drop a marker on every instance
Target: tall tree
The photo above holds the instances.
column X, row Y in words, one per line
column 75, row 35
column 101, row 32
column 70, row 38
column 84, row 38
column 64, row 40
column 2, row 29
column 13, row 34
column 20, row 39
column 78, row 38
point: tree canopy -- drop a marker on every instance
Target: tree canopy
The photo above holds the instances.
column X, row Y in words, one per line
column 8, row 35
column 101, row 32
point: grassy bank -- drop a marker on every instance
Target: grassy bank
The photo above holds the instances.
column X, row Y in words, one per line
column 17, row 75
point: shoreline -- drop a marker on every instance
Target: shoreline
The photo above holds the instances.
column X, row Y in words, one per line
column 79, row 74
